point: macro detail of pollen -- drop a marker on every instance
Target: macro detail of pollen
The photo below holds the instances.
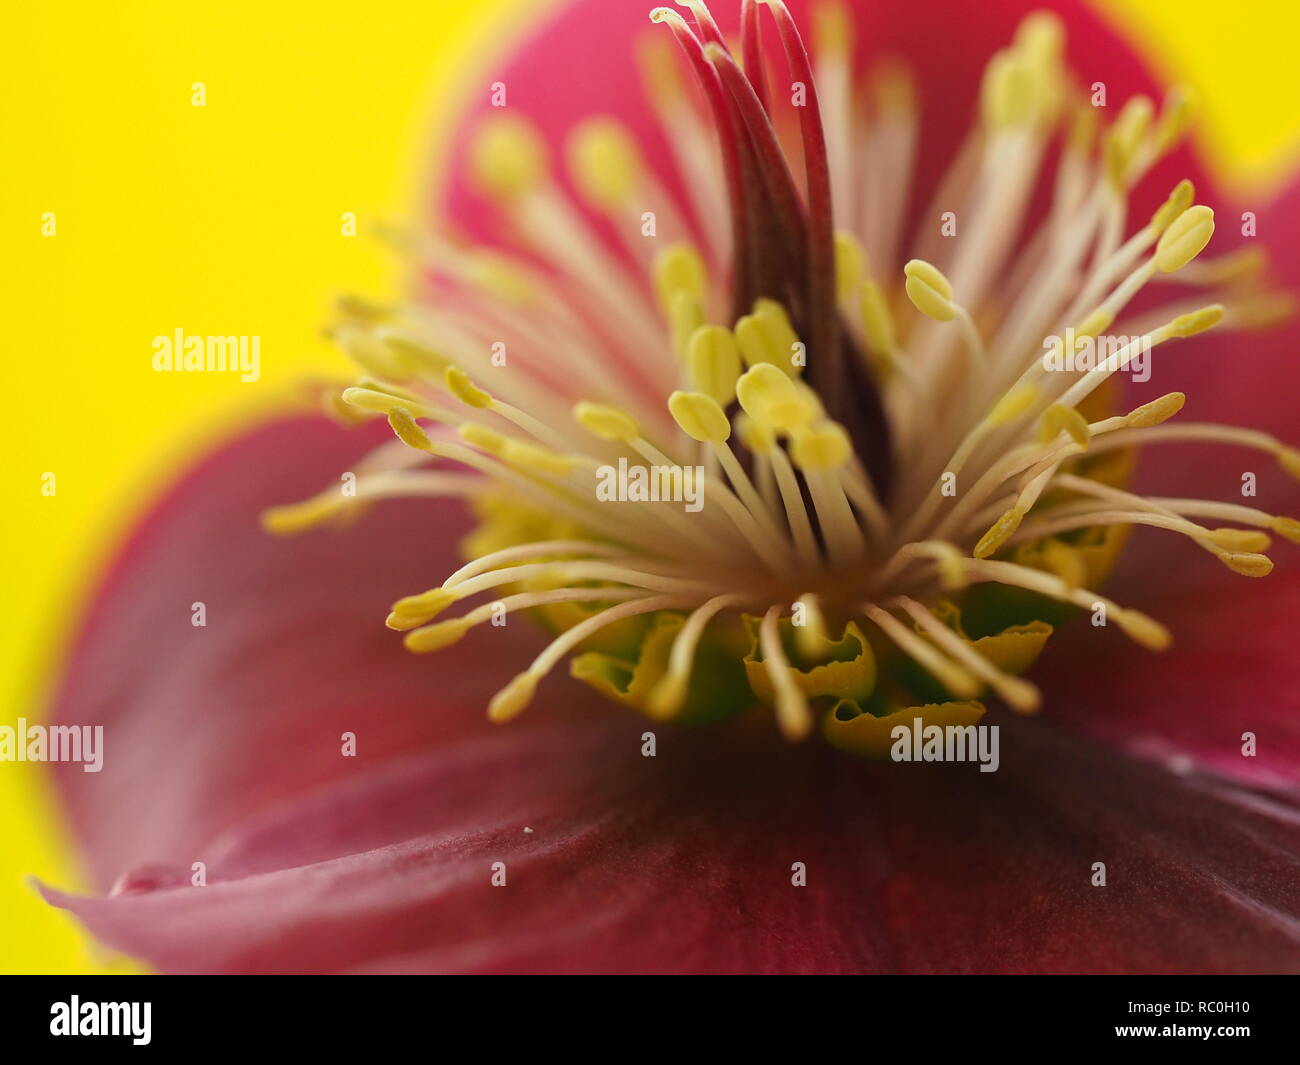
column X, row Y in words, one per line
column 766, row 435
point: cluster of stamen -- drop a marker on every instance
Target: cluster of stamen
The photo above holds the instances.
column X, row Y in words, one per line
column 876, row 435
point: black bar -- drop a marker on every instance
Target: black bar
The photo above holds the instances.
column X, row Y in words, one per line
column 436, row 1014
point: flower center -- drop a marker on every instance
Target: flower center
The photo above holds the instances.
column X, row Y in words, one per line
column 907, row 469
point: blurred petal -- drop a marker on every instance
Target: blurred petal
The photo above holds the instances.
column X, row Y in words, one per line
column 1232, row 670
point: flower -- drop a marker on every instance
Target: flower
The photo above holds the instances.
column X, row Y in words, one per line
column 909, row 480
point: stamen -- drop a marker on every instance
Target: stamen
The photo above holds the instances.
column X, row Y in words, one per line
column 855, row 424
column 957, row 679
column 670, row 693
column 1018, row 694
column 514, row 698
column 793, row 714
column 431, row 638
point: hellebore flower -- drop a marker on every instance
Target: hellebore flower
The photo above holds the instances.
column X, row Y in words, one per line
column 880, row 343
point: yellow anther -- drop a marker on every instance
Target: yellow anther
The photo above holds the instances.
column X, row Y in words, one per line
column 361, row 309
column 812, row 638
column 606, row 421
column 1157, row 411
column 1134, row 120
column 514, row 698
column 1175, row 118
column 1144, row 630
column 1238, row 540
column 408, row 429
column 604, row 162
column 1264, row 310
column 679, row 268
column 713, row 362
column 415, row 353
column 755, row 437
column 657, row 60
column 293, row 518
column 832, row 28
column 999, row 533
column 1095, row 324
column 1185, row 238
column 1059, row 417
column 1040, row 37
column 1248, row 564
column 502, row 278
column 952, row 569
column 1115, row 162
column 1007, row 96
column 436, row 637
column 850, row 265
column 700, row 417
column 337, row 410
column 821, row 447
column 766, row 336
column 483, row 438
column 459, row 385
column 530, row 456
column 373, row 356
column 507, row 157
column 1289, row 459
column 1125, row 137
column 685, row 315
column 1242, row 263
column 414, row 610
column 877, row 322
column 1188, row 325
column 373, row 399
column 1177, row 202
column 1083, row 129
column 929, row 290
column 771, row 399
column 1013, row 405
column 1286, row 527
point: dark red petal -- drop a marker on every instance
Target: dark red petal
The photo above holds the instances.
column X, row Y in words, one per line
column 996, row 875
column 684, row 863
column 222, row 747
column 1232, row 668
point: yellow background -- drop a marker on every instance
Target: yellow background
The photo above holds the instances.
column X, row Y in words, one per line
column 226, row 220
